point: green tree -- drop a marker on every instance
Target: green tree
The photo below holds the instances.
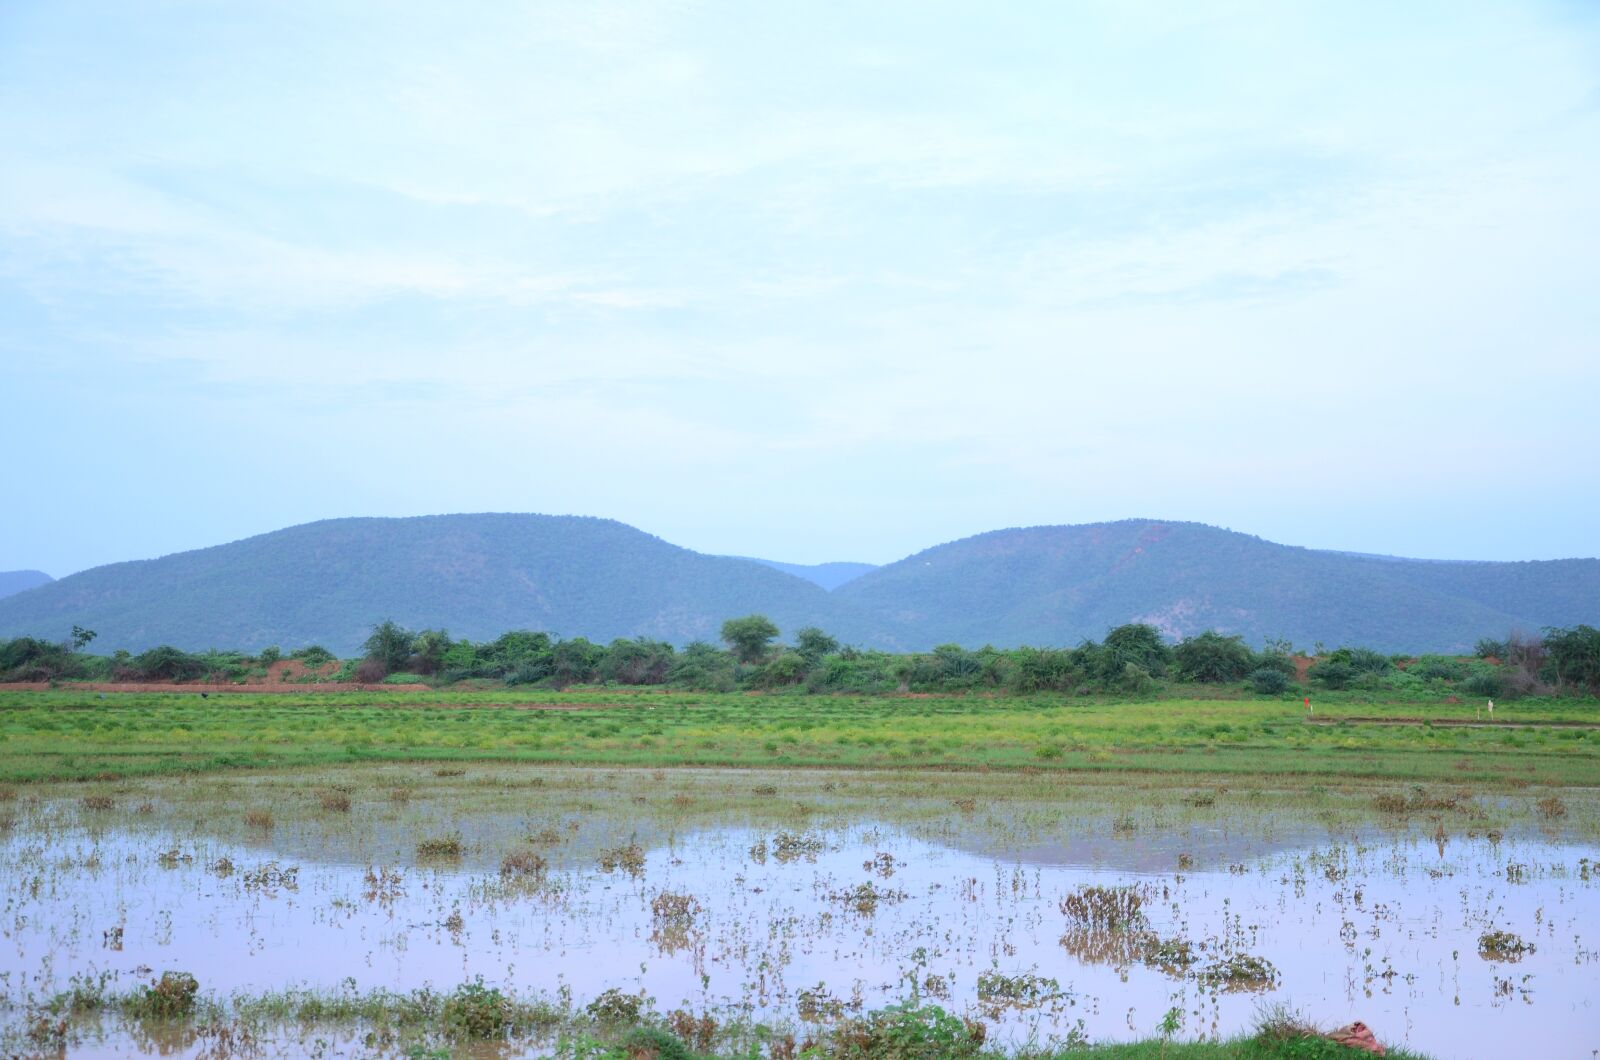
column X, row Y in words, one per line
column 390, row 646
column 749, row 637
column 813, row 645
column 81, row 637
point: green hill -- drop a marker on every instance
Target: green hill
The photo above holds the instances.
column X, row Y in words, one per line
column 1059, row 584
column 16, row 581
column 480, row 575
column 476, row 575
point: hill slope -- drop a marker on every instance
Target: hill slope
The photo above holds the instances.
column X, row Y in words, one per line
column 16, row 581
column 476, row 575
column 1060, row 584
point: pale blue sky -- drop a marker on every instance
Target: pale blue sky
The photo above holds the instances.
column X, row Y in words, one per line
column 803, row 281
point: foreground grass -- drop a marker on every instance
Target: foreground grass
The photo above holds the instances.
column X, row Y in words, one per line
column 70, row 734
column 171, row 1013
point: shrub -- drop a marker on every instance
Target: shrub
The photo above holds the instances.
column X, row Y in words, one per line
column 313, row 656
column 787, row 669
column 1212, row 658
column 477, row 1012
column 1574, row 656
column 908, row 1032
column 614, row 1006
column 447, row 847
column 268, row 656
column 1484, row 681
column 1045, row 670
column 1134, row 643
column 1268, row 681
column 1136, row 680
column 1333, row 673
column 27, row 658
column 169, row 997
column 637, row 662
column 167, row 663
column 1438, row 668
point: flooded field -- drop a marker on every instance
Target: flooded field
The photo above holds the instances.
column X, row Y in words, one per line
column 750, row 908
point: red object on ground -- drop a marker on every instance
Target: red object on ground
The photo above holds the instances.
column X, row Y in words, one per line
column 1358, row 1036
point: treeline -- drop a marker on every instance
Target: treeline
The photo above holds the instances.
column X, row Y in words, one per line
column 1133, row 659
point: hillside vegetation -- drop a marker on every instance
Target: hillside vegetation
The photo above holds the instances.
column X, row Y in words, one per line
column 477, row 575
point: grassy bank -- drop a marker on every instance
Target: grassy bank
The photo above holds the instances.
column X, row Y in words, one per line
column 68, row 734
column 172, row 1013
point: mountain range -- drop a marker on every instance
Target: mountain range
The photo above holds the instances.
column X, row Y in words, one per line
column 15, row 581
column 480, row 575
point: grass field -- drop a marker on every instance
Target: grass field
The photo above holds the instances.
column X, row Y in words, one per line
column 69, row 734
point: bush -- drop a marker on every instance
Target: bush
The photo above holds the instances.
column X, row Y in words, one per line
column 1332, row 673
column 169, row 997
column 476, row 1012
column 637, row 662
column 1212, row 658
column 1484, row 681
column 908, row 1032
column 704, row 668
column 1438, row 668
column 787, row 669
column 29, row 659
column 1134, row 643
column 1574, row 656
column 167, row 663
column 312, row 656
column 1136, row 680
column 1268, row 681
column 268, row 656
column 1045, row 670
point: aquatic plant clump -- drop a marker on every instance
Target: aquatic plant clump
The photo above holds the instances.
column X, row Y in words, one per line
column 1503, row 946
column 1109, row 908
column 1239, row 972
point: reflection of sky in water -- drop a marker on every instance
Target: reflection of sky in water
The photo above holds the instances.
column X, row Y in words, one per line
column 1373, row 928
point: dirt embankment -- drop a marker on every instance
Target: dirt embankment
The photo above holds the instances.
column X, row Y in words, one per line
column 285, row 675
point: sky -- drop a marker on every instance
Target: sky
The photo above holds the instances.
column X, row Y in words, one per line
column 804, row 281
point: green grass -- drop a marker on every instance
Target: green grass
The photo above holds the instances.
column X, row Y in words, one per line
column 475, row 1017
column 69, row 734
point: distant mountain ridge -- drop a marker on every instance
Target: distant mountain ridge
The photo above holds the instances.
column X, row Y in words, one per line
column 480, row 575
column 16, row 581
column 828, row 575
column 1059, row 584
